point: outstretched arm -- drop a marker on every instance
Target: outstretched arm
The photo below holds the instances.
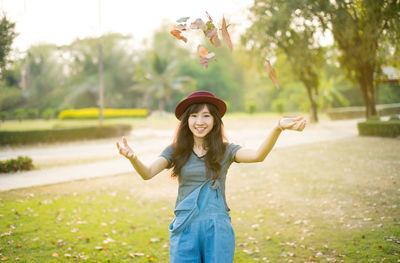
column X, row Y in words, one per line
column 146, row 172
column 244, row 155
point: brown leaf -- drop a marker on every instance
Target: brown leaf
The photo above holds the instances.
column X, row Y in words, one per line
column 271, row 73
column 225, row 34
column 198, row 24
column 204, row 56
column 55, row 254
column 181, row 27
column 177, row 34
column 212, row 34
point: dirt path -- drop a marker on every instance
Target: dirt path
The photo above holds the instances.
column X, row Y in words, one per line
column 148, row 143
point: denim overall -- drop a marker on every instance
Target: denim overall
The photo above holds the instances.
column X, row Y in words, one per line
column 201, row 230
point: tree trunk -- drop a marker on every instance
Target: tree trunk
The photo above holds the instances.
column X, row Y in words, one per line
column 313, row 108
column 367, row 88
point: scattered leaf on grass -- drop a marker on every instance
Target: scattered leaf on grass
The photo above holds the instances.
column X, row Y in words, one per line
column 55, row 254
column 154, row 240
column 137, row 254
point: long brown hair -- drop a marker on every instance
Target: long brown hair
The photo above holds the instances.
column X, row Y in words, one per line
column 214, row 142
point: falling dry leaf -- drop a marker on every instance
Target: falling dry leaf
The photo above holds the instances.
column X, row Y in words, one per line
column 204, row 56
column 183, row 19
column 198, row 24
column 212, row 34
column 225, row 34
column 177, row 34
column 181, row 27
column 272, row 73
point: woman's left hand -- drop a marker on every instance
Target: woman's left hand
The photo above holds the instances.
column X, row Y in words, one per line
column 295, row 124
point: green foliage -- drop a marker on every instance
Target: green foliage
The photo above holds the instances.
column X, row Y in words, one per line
column 224, row 77
column 62, row 134
column 279, row 105
column 157, row 79
column 9, row 97
column 360, row 29
column 118, row 72
column 251, row 107
column 394, row 118
column 22, row 163
column 48, row 114
column 19, row 114
column 7, row 35
column 372, row 127
column 287, row 28
column 3, row 116
column 32, row 113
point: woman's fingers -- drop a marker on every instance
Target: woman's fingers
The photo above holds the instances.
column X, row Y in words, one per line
column 124, row 141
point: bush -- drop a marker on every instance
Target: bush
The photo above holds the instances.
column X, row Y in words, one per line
column 279, row 105
column 32, row 114
column 3, row 116
column 22, row 163
column 48, row 114
column 93, row 113
column 19, row 114
column 251, row 107
column 394, row 118
column 62, row 135
column 359, row 112
column 389, row 128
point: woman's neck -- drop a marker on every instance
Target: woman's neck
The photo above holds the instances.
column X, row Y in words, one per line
column 198, row 143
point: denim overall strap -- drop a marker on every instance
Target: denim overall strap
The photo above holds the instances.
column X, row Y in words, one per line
column 187, row 209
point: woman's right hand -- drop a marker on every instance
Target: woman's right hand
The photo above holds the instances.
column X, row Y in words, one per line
column 126, row 150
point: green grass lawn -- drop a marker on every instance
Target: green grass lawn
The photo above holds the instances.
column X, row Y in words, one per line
column 334, row 201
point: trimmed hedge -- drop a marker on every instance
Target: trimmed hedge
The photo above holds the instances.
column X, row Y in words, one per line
column 359, row 112
column 22, row 163
column 93, row 113
column 389, row 128
column 62, row 134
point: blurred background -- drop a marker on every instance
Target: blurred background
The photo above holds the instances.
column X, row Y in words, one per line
column 58, row 55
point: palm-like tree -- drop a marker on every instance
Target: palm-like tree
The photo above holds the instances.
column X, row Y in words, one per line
column 161, row 82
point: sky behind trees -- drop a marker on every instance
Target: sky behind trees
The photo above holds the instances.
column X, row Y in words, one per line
column 62, row 21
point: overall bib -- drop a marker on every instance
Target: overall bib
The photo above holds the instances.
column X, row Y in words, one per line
column 201, row 230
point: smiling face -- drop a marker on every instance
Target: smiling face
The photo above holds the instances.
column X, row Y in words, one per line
column 201, row 122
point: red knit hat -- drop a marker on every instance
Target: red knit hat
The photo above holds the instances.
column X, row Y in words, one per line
column 200, row 97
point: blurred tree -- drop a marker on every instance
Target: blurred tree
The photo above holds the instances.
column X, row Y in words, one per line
column 280, row 24
column 159, row 79
column 42, row 76
column 225, row 76
column 7, row 35
column 119, row 67
column 360, row 28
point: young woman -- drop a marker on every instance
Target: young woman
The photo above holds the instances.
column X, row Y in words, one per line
column 200, row 157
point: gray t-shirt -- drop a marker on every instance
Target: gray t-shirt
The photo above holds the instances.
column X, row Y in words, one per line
column 193, row 173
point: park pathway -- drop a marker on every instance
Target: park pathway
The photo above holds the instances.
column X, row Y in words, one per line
column 99, row 158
